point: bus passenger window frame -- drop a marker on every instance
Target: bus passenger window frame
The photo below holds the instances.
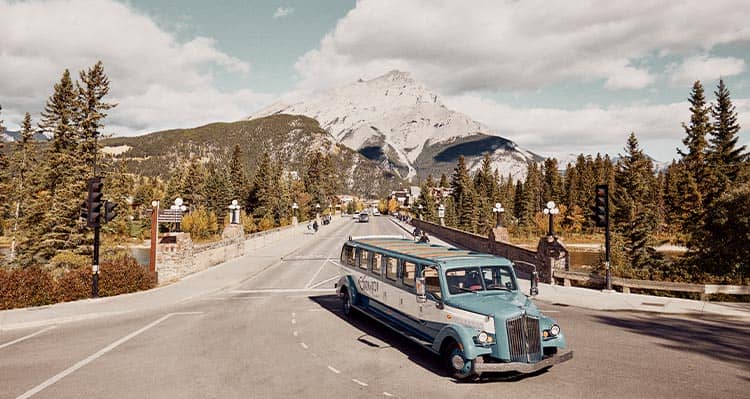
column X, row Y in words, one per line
column 363, row 253
column 404, row 274
column 431, row 294
column 386, row 262
column 376, row 257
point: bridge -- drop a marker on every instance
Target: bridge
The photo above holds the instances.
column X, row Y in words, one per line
column 267, row 324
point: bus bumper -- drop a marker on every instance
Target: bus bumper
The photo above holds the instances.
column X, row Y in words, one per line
column 480, row 367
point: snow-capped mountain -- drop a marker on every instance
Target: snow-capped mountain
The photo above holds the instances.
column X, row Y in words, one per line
column 398, row 121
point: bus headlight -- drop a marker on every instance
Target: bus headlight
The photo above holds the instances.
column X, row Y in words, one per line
column 482, row 337
column 554, row 330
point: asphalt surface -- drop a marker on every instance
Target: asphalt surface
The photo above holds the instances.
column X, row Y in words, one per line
column 281, row 334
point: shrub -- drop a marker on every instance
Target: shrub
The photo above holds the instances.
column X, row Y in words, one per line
column 31, row 286
column 65, row 261
column 266, row 223
column 74, row 284
column 123, row 275
column 248, row 222
column 201, row 224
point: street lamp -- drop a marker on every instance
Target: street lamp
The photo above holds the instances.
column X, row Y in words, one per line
column 317, row 211
column 420, row 211
column 235, row 215
column 294, row 213
column 498, row 210
column 551, row 210
column 178, row 206
column 441, row 214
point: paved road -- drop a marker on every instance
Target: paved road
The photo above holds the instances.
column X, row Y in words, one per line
column 281, row 334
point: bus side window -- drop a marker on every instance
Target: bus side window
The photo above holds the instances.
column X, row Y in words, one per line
column 410, row 272
column 357, row 256
column 432, row 282
column 377, row 260
column 391, row 268
column 347, row 256
column 364, row 259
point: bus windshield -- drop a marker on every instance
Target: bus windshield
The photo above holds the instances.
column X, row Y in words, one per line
column 485, row 278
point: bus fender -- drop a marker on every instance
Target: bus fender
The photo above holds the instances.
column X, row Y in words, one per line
column 464, row 336
column 348, row 283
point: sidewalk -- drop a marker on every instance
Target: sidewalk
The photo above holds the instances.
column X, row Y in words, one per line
column 615, row 301
column 211, row 280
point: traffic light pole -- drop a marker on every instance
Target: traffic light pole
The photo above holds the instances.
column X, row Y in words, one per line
column 95, row 266
column 607, row 252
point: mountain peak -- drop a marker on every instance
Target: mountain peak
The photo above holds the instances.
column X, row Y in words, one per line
column 396, row 120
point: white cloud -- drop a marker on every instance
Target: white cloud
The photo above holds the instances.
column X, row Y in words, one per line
column 557, row 132
column 705, row 68
column 282, row 12
column 158, row 81
column 508, row 45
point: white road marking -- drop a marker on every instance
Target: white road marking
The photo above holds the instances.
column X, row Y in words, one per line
column 7, row 344
column 364, row 384
column 325, row 281
column 304, row 345
column 294, row 314
column 333, row 369
column 387, row 394
column 97, row 355
column 283, row 290
column 320, row 269
column 294, row 321
column 295, row 333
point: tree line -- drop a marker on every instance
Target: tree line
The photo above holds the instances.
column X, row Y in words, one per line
column 700, row 200
column 43, row 183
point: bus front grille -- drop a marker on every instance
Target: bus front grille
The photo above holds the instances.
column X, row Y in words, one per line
column 523, row 339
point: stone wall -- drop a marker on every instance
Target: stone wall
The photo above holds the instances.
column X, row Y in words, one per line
column 177, row 256
column 550, row 253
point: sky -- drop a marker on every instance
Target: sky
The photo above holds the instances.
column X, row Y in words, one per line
column 556, row 77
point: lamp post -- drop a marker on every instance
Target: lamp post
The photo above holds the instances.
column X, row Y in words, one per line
column 420, row 211
column 294, row 213
column 551, row 210
column 498, row 210
column 441, row 214
column 317, row 212
column 178, row 206
column 234, row 217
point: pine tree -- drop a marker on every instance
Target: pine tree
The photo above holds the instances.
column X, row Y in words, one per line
column 635, row 215
column 696, row 133
column 259, row 198
column 532, row 196
column 724, row 156
column 90, row 118
column 443, row 181
column 57, row 202
column 464, row 197
column 427, row 200
column 4, row 180
column 486, row 192
column 320, row 179
column 237, row 174
column 553, row 185
column 217, row 191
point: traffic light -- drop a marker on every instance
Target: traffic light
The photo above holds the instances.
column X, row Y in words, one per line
column 601, row 206
column 85, row 210
column 109, row 211
column 94, row 201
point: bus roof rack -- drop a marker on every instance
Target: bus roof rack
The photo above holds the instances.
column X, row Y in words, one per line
column 398, row 237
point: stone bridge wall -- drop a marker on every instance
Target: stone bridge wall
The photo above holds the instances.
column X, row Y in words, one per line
column 550, row 253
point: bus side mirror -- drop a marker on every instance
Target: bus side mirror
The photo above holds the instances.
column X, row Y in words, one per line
column 534, row 291
column 421, row 290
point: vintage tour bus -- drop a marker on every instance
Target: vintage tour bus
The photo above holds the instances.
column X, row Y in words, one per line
column 464, row 306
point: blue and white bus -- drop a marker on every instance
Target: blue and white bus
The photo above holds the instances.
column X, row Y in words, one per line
column 463, row 305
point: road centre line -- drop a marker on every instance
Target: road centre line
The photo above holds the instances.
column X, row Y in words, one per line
column 303, row 345
column 387, row 394
column 364, row 384
column 333, row 369
column 97, row 355
column 7, row 344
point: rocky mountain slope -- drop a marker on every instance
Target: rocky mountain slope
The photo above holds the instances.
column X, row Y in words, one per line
column 401, row 124
column 290, row 138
